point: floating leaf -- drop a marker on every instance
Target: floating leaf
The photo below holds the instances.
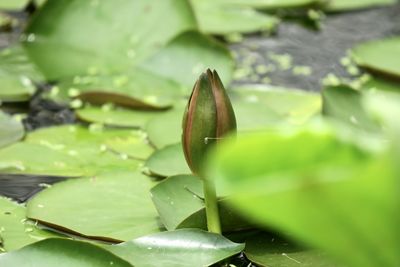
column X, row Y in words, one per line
column 181, row 248
column 180, row 202
column 344, row 5
column 17, row 74
column 292, row 105
column 268, row 250
column 271, row 4
column 380, row 84
column 329, row 185
column 11, row 130
column 135, row 147
column 345, row 104
column 111, row 206
column 168, row 161
column 117, row 47
column 165, row 129
column 15, row 230
column 379, row 56
column 116, row 116
column 62, row 253
column 13, row 4
column 222, row 18
column 66, row 151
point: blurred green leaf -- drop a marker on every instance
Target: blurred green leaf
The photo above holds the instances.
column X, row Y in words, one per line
column 11, row 130
column 345, row 104
column 136, row 147
column 322, row 191
column 17, row 75
column 346, row 5
column 62, row 253
column 168, row 161
column 378, row 56
column 270, row 4
column 16, row 231
column 115, row 205
column 268, row 250
column 180, row 248
column 13, row 4
column 180, row 203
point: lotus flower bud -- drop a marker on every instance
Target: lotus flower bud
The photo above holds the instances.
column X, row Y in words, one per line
column 208, row 117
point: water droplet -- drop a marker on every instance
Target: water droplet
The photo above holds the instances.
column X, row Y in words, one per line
column 76, row 103
column 73, row 92
column 131, row 53
column 40, row 206
column 124, row 156
column 353, row 120
column 149, row 248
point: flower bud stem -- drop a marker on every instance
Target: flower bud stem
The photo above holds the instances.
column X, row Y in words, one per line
column 210, row 195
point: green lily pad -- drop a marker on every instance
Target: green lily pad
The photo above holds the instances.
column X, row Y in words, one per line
column 116, row 116
column 17, row 75
column 345, row 104
column 15, row 230
column 180, row 202
column 11, row 130
column 381, row 84
column 222, row 18
column 379, row 56
column 331, row 185
column 117, row 47
column 268, row 250
column 181, row 248
column 344, row 5
column 141, row 90
column 271, row 4
column 111, row 206
column 165, row 129
column 62, row 253
column 66, row 151
column 23, row 158
column 134, row 147
column 13, row 4
column 293, row 105
column 168, row 161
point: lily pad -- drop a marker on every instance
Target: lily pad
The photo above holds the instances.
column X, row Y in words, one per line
column 331, row 185
column 222, row 18
column 115, row 116
column 180, row 202
column 17, row 75
column 268, row 250
column 345, row 104
column 142, row 90
column 345, row 5
column 168, row 161
column 271, row 4
column 66, row 151
column 117, row 47
column 378, row 56
column 165, row 129
column 381, row 84
column 293, row 105
column 180, row 248
column 134, row 147
column 15, row 230
column 13, row 4
column 62, row 253
column 11, row 130
column 111, row 206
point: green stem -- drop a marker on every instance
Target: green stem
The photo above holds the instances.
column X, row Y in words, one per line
column 210, row 195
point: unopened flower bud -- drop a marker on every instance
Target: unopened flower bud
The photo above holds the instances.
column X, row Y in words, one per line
column 208, row 117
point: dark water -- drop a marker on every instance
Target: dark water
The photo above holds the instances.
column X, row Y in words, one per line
column 319, row 50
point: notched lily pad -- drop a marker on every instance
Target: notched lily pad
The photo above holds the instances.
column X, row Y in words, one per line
column 111, row 206
column 15, row 230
